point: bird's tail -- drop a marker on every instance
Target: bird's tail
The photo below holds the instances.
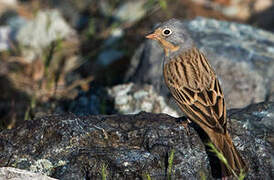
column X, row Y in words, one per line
column 233, row 162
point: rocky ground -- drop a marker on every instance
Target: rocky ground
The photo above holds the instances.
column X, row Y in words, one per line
column 88, row 63
column 134, row 146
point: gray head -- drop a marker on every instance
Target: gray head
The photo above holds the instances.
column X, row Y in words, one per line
column 173, row 37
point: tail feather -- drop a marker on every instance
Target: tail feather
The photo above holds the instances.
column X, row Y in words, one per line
column 224, row 144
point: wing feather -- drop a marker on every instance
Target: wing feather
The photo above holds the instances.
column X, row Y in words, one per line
column 203, row 104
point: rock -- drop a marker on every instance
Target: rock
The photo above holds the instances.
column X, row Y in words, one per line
column 16, row 174
column 242, row 56
column 132, row 146
column 130, row 11
column 258, row 119
column 132, row 99
column 46, row 27
column 125, row 99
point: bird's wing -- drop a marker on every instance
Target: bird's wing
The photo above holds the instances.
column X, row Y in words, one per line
column 204, row 105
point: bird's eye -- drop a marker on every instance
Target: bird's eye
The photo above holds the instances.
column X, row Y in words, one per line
column 166, row 32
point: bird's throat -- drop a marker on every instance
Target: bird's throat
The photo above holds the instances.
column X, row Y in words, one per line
column 168, row 47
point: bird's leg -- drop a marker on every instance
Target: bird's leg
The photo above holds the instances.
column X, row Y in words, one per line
column 184, row 122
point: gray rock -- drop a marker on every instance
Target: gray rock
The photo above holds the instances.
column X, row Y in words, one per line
column 242, row 56
column 19, row 174
column 133, row 146
column 258, row 119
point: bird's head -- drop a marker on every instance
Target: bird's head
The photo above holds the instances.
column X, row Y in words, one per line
column 172, row 36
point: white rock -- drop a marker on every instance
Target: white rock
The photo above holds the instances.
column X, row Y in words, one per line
column 19, row 174
column 133, row 98
column 37, row 34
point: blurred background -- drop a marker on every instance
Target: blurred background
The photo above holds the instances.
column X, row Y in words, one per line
column 52, row 53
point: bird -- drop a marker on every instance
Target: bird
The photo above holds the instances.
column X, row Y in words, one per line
column 195, row 87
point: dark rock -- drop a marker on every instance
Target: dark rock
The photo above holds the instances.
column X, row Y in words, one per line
column 132, row 146
column 242, row 56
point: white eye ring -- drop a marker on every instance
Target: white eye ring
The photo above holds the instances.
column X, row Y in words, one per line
column 166, row 32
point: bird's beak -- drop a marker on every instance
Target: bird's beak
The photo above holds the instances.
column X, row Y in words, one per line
column 155, row 35
column 152, row 36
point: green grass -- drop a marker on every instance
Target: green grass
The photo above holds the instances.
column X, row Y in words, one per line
column 163, row 4
column 148, row 176
column 170, row 164
column 202, row 175
column 169, row 168
column 104, row 172
column 224, row 160
column 91, row 30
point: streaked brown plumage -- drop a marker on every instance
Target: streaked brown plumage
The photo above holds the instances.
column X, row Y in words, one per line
column 196, row 89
